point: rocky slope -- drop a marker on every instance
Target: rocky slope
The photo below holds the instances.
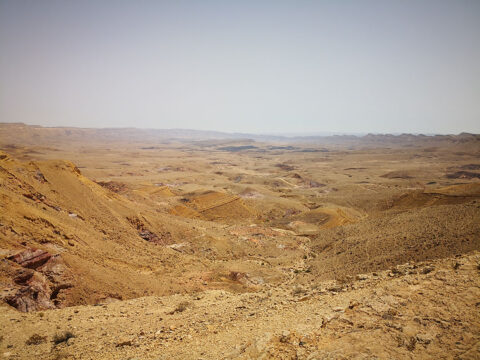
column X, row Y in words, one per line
column 66, row 240
column 425, row 310
column 236, row 249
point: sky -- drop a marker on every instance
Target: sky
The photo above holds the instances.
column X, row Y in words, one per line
column 243, row 66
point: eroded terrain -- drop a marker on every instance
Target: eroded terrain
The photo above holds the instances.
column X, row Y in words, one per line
column 176, row 247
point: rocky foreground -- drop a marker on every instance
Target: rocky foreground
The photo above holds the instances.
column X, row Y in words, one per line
column 427, row 310
column 353, row 248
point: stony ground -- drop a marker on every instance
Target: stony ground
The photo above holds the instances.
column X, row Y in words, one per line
column 146, row 247
column 423, row 310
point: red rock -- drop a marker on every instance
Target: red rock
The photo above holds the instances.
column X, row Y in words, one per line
column 23, row 276
column 54, row 269
column 34, row 295
column 31, row 258
column 40, row 282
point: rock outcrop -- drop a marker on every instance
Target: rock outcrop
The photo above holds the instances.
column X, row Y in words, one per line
column 34, row 293
column 38, row 282
column 31, row 258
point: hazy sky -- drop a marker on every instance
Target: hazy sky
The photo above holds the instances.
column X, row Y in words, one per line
column 251, row 66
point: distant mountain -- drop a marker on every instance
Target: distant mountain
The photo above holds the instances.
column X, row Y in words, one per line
column 22, row 134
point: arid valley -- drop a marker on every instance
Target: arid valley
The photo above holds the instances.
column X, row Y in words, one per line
column 138, row 244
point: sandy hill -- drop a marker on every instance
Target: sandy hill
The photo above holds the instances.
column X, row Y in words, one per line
column 84, row 233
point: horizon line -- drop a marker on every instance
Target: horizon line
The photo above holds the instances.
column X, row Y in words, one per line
column 276, row 134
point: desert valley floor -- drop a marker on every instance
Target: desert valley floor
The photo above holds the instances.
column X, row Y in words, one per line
column 128, row 244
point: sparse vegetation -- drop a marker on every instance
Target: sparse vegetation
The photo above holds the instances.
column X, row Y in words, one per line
column 298, row 290
column 62, row 337
column 36, row 339
column 251, row 249
column 411, row 344
column 181, row 307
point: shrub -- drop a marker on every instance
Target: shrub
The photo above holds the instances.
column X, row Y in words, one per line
column 63, row 337
column 184, row 305
column 36, row 339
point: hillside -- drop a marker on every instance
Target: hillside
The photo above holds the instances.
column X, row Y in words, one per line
column 269, row 250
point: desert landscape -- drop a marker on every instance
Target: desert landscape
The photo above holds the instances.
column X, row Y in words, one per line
column 241, row 180
column 178, row 244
